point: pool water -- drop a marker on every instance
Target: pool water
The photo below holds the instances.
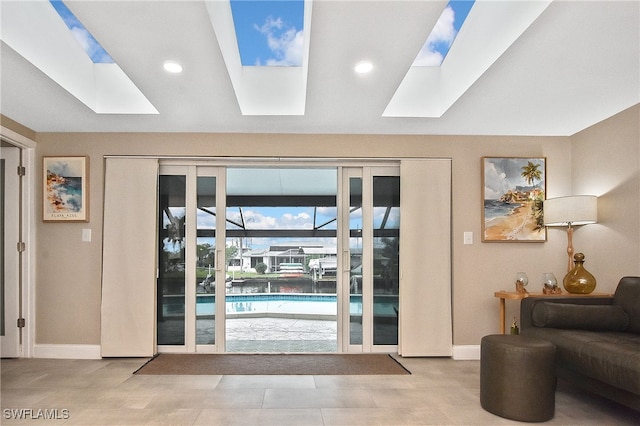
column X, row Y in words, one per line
column 284, row 304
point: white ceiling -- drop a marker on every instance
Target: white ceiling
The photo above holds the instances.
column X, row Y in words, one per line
column 575, row 65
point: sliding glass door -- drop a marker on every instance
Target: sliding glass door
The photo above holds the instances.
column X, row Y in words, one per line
column 206, row 262
column 386, row 259
column 188, row 272
column 278, row 259
column 370, row 255
column 172, row 260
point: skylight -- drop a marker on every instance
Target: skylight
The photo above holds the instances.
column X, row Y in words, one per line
column 35, row 31
column 443, row 34
column 90, row 45
column 269, row 33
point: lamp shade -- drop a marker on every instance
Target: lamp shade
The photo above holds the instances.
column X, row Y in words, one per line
column 574, row 210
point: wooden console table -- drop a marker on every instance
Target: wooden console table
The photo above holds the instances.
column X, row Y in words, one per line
column 512, row 295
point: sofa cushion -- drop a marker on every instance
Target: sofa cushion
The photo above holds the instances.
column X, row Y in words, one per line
column 611, row 357
column 585, row 317
column 627, row 296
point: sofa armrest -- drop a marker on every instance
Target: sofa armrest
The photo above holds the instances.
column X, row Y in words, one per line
column 528, row 303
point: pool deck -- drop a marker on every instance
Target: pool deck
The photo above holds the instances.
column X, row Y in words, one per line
column 273, row 334
column 265, row 334
column 281, row 335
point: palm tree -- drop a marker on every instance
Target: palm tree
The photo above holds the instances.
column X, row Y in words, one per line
column 531, row 173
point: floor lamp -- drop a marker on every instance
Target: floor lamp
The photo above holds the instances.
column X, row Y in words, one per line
column 569, row 212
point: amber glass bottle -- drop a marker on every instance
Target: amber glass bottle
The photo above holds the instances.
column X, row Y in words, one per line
column 579, row 280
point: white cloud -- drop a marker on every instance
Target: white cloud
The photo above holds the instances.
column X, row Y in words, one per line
column 495, row 183
column 285, row 42
column 443, row 34
column 327, row 211
column 258, row 220
column 90, row 45
column 298, row 221
column 428, row 58
column 444, row 30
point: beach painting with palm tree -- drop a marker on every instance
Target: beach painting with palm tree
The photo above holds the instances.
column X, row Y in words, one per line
column 513, row 192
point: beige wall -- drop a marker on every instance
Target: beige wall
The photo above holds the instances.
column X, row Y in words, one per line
column 606, row 163
column 68, row 270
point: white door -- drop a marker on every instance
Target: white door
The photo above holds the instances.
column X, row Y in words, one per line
column 9, row 260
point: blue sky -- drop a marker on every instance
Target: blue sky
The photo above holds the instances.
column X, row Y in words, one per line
column 81, row 34
column 444, row 33
column 269, row 32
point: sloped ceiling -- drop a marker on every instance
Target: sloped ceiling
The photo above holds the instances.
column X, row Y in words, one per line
column 576, row 64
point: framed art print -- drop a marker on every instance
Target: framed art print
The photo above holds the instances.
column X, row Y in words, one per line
column 65, row 195
column 513, row 191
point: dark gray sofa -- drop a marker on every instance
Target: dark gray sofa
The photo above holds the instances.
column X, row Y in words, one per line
column 597, row 339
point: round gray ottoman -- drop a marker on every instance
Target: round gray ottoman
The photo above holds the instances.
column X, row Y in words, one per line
column 517, row 378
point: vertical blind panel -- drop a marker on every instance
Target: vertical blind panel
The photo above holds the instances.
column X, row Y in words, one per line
column 129, row 257
column 425, row 325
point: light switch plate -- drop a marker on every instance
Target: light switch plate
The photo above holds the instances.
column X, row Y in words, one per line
column 468, row 237
column 86, row 235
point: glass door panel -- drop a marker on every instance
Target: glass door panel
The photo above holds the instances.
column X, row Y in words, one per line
column 386, row 259
column 171, row 260
column 187, row 270
column 371, row 257
column 205, row 260
column 355, row 261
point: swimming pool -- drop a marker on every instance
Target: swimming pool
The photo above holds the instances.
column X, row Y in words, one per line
column 292, row 305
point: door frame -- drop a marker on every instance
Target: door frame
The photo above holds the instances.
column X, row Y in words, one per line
column 366, row 165
column 366, row 172
column 191, row 171
column 27, row 148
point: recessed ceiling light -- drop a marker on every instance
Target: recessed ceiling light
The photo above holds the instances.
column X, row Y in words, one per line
column 172, row 67
column 363, row 67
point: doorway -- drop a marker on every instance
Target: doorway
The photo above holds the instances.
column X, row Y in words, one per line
column 278, row 259
column 281, row 246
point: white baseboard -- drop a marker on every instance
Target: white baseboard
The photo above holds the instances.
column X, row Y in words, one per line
column 466, row 352
column 67, row 351
column 460, row 352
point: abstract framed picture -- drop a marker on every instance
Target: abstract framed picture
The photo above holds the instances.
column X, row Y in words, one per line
column 65, row 194
column 513, row 191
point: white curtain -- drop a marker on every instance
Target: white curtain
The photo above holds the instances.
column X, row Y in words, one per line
column 129, row 257
column 425, row 324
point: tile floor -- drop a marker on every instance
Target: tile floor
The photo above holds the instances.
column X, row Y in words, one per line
column 105, row 392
